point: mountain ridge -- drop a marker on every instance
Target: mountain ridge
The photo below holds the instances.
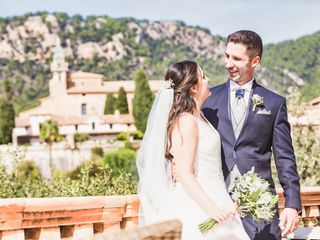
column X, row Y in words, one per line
column 117, row 48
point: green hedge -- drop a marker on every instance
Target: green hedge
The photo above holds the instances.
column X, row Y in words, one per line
column 86, row 183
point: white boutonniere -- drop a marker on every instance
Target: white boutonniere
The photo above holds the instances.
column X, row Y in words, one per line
column 257, row 101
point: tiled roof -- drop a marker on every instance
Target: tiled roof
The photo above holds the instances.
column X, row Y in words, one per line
column 85, row 75
column 111, row 87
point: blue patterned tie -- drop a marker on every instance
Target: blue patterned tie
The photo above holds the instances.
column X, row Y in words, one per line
column 238, row 108
column 239, row 93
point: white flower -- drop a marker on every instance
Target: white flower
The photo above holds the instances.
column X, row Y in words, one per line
column 265, row 198
column 257, row 101
column 258, row 186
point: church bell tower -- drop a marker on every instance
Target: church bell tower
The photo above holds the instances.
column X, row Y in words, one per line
column 59, row 69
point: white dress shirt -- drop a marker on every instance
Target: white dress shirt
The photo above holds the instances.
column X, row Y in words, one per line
column 238, row 115
column 247, row 89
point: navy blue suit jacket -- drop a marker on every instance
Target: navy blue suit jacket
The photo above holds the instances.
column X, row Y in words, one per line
column 261, row 135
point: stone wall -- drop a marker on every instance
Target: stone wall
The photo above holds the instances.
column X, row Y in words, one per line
column 63, row 157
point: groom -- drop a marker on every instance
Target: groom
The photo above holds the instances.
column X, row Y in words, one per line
column 252, row 122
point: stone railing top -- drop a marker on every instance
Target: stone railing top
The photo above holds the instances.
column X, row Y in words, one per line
column 27, row 216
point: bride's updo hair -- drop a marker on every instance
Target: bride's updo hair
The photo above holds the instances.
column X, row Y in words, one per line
column 185, row 76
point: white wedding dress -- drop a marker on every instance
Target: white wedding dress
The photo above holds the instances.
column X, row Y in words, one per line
column 208, row 171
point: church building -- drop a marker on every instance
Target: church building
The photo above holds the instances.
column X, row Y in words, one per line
column 76, row 102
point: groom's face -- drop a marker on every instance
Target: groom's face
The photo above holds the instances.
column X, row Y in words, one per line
column 238, row 63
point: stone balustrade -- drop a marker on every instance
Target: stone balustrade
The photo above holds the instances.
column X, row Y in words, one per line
column 310, row 216
column 310, row 197
column 66, row 217
column 79, row 218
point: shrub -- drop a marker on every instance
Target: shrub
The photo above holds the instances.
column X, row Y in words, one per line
column 88, row 182
column 121, row 160
column 122, row 136
column 137, row 134
column 94, row 169
column 81, row 137
column 97, row 151
column 127, row 144
column 27, row 169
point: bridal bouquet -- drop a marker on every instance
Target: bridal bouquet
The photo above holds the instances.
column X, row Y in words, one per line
column 252, row 196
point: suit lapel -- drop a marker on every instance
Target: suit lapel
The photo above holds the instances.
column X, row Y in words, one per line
column 227, row 109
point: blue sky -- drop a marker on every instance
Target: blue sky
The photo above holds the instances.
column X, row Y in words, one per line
column 274, row 20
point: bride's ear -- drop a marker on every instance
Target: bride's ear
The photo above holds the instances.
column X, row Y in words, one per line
column 194, row 90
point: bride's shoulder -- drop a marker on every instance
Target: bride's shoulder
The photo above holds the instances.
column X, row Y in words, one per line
column 187, row 118
column 186, row 122
column 185, row 128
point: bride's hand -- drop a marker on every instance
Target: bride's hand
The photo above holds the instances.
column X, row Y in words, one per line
column 222, row 214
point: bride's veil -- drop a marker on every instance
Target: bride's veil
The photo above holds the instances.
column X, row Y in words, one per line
column 154, row 170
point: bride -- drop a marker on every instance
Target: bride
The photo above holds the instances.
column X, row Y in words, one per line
column 178, row 134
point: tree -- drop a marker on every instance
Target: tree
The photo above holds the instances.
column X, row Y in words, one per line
column 49, row 132
column 122, row 102
column 8, row 91
column 142, row 101
column 110, row 105
column 307, row 151
column 306, row 142
column 7, row 116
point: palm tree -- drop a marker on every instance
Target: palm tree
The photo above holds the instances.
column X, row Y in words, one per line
column 49, row 132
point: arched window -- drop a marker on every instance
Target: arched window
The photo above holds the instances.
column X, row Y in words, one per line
column 83, row 109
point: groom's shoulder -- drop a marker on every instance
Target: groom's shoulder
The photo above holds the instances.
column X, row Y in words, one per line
column 271, row 94
column 218, row 88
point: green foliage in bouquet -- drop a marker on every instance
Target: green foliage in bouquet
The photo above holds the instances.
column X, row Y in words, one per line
column 253, row 197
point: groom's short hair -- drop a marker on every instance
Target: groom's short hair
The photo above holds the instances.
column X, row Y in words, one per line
column 251, row 40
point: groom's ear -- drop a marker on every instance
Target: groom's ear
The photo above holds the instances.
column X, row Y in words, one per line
column 255, row 61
